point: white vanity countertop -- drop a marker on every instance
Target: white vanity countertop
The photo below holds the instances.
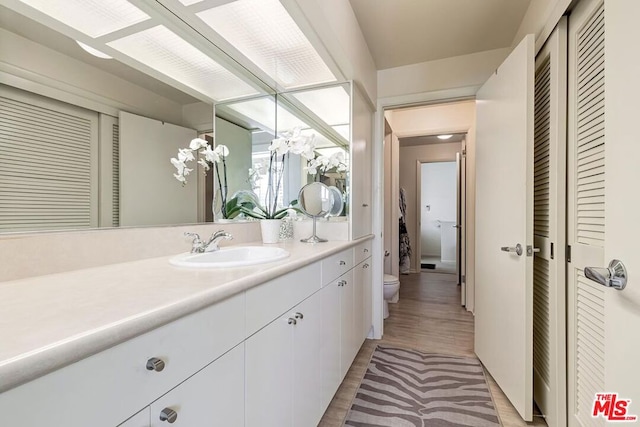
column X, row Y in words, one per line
column 48, row 322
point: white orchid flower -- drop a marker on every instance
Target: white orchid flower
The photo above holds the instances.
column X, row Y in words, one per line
column 197, row 143
column 222, row 150
column 210, row 155
column 178, row 165
column 280, row 146
column 185, row 155
column 204, row 164
column 180, row 178
column 186, row 171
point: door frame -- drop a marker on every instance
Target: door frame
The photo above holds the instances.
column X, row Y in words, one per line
column 460, row 188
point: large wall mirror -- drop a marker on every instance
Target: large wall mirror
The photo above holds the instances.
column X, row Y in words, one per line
column 320, row 115
column 86, row 141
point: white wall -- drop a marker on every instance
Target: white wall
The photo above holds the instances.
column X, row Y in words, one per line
column 438, row 191
column 466, row 71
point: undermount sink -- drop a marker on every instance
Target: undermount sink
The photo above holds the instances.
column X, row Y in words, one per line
column 239, row 256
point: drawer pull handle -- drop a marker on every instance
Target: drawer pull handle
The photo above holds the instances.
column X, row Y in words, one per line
column 155, row 364
column 299, row 315
column 343, row 263
column 168, row 415
column 342, row 282
column 365, row 266
column 366, row 250
column 292, row 321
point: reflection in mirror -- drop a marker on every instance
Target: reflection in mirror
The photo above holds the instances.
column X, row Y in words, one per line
column 316, row 200
column 247, row 127
column 325, row 113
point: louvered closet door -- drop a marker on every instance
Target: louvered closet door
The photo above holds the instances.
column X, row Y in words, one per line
column 48, row 163
column 549, row 326
column 586, row 210
column 109, row 171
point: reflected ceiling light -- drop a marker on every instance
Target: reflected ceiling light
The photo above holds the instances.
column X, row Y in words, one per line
column 444, row 136
column 164, row 51
column 92, row 51
column 331, row 104
column 94, row 18
column 260, row 110
column 189, row 2
column 264, row 32
column 288, row 121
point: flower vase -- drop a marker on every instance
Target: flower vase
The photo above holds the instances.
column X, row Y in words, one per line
column 270, row 230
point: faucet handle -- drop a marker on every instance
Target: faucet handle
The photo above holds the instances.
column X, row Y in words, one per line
column 194, row 236
column 197, row 245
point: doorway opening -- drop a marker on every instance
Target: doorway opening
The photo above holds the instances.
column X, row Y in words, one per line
column 438, row 195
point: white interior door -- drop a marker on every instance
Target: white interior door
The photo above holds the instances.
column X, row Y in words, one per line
column 603, row 352
column 504, row 214
column 149, row 194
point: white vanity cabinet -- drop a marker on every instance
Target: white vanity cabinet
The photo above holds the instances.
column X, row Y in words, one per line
column 212, row 397
column 141, row 419
column 272, row 355
column 109, row 387
column 282, row 363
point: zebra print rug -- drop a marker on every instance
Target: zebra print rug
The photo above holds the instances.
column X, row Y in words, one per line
column 409, row 388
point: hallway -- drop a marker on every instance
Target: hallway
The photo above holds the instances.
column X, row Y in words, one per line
column 427, row 318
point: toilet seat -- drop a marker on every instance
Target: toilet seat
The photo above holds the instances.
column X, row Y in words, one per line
column 390, row 280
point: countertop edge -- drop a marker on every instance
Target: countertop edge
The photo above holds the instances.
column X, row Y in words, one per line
column 30, row 366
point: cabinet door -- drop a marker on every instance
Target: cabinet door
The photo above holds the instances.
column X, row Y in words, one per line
column 347, row 332
column 330, row 350
column 307, row 374
column 141, row 419
column 269, row 375
column 362, row 301
column 212, row 397
column 358, row 308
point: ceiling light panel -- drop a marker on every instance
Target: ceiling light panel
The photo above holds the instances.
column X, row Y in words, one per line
column 331, row 104
column 265, row 33
column 94, row 18
column 189, row 2
column 164, row 51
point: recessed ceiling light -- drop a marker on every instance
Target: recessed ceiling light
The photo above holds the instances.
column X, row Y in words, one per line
column 444, row 136
column 94, row 18
column 92, row 51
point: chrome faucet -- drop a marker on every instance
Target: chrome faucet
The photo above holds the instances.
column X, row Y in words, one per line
column 198, row 246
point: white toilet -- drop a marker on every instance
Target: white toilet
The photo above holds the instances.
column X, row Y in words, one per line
column 391, row 292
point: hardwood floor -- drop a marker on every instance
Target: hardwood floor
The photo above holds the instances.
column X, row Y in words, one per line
column 428, row 318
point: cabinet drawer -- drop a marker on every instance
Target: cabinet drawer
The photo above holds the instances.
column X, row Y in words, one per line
column 107, row 388
column 361, row 252
column 212, row 397
column 270, row 300
column 336, row 265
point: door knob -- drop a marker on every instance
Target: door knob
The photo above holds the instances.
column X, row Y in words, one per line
column 615, row 276
column 517, row 249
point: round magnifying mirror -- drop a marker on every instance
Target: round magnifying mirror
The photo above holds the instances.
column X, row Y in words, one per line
column 316, row 200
